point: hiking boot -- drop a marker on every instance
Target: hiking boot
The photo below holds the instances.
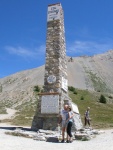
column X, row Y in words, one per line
column 67, row 141
column 62, row 141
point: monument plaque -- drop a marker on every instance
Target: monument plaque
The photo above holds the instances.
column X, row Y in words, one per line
column 53, row 12
column 64, row 84
column 50, row 104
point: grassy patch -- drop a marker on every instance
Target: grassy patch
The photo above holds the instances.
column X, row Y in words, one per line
column 101, row 114
column 25, row 113
column 2, row 108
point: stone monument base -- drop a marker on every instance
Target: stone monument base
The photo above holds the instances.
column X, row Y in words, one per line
column 46, row 123
column 48, row 110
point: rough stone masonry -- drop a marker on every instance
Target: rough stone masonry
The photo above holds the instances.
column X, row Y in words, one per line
column 55, row 93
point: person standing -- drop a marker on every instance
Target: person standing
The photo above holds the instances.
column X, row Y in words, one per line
column 62, row 119
column 87, row 117
column 69, row 125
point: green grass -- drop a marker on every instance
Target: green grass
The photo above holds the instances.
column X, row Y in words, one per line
column 25, row 113
column 101, row 114
column 2, row 108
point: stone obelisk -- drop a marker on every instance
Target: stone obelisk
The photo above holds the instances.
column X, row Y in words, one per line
column 55, row 92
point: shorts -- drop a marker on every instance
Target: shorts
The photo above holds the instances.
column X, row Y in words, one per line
column 64, row 124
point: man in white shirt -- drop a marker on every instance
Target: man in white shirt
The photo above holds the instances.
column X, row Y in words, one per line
column 62, row 119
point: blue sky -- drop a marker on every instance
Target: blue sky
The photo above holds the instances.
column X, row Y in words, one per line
column 88, row 31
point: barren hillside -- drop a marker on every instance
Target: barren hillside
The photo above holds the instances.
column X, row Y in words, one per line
column 92, row 73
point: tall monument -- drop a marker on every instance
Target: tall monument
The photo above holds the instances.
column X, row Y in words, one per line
column 55, row 92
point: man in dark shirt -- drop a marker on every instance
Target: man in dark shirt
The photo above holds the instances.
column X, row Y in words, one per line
column 86, row 117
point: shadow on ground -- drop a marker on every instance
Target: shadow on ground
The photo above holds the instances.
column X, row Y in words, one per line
column 14, row 128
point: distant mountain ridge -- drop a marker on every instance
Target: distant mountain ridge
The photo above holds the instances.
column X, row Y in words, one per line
column 93, row 73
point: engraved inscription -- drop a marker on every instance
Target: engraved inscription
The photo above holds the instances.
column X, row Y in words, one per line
column 53, row 12
column 50, row 104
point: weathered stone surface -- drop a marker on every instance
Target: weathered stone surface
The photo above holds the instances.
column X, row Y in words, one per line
column 86, row 138
column 41, row 134
column 55, row 136
column 77, row 122
column 97, row 132
column 46, row 131
column 87, row 134
column 40, row 138
column 22, row 133
column 79, row 136
column 57, row 85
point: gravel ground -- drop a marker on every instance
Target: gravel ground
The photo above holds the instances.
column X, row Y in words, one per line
column 103, row 141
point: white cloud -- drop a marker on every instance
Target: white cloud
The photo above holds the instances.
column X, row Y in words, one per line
column 24, row 52
column 89, row 47
column 41, row 49
column 19, row 51
column 76, row 48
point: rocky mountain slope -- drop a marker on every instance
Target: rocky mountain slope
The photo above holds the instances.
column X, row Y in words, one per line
column 92, row 73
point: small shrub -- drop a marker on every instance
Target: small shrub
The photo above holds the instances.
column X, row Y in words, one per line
column 0, row 88
column 110, row 97
column 36, row 88
column 98, row 90
column 102, row 99
column 71, row 88
column 75, row 92
column 82, row 98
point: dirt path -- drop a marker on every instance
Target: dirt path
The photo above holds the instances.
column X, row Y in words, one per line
column 10, row 113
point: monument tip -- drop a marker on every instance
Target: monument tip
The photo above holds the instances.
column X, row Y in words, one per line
column 54, row 4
